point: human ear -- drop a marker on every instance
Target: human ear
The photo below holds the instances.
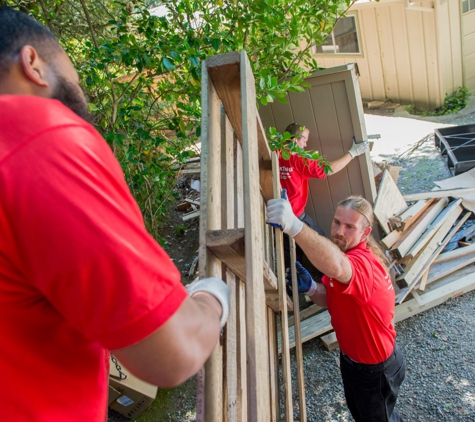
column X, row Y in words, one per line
column 34, row 68
column 366, row 232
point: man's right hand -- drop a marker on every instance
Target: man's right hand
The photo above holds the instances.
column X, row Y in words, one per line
column 279, row 213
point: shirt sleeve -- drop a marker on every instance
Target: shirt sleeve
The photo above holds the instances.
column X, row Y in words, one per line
column 81, row 241
column 309, row 168
column 362, row 280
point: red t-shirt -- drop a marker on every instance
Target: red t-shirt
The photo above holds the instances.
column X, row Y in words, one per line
column 294, row 175
column 79, row 274
column 362, row 311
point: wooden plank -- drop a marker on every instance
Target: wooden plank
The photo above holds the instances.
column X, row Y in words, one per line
column 389, row 202
column 456, row 253
column 442, row 269
column 312, row 327
column 306, row 313
column 225, row 72
column 242, row 385
column 442, row 245
column 409, row 238
column 284, row 333
column 434, row 227
column 212, row 408
column 435, row 297
column 273, row 365
column 409, row 217
column 439, row 194
column 415, row 269
column 388, row 241
column 330, row 341
column 298, row 339
column 230, row 353
column 256, row 319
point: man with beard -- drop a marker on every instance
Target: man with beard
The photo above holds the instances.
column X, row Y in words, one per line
column 79, row 274
column 359, row 295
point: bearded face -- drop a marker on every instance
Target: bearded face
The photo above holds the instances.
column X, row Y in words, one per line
column 71, row 95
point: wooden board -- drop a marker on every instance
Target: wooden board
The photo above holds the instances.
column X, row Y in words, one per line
column 330, row 341
column 389, row 202
column 410, row 216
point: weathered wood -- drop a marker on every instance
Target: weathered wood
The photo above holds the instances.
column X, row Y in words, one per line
column 442, row 269
column 312, row 327
column 242, row 386
column 415, row 269
column 225, row 71
column 306, row 313
column 439, row 194
column 256, row 318
column 212, row 408
column 284, row 333
column 389, row 201
column 330, row 341
column 273, row 365
column 298, row 339
column 409, row 238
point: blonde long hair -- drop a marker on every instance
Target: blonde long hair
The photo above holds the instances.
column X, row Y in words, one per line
column 359, row 204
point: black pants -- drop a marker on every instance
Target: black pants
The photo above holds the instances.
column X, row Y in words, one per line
column 298, row 250
column 371, row 390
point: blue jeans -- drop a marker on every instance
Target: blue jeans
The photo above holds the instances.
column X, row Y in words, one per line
column 371, row 390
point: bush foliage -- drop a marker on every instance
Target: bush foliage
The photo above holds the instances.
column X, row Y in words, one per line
column 140, row 65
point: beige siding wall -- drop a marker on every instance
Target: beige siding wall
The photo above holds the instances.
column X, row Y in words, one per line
column 400, row 54
column 331, row 109
column 468, row 22
column 448, row 17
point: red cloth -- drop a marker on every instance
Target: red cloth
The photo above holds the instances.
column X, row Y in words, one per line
column 79, row 274
column 362, row 311
column 294, row 175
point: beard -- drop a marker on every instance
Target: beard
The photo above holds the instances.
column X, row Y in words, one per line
column 340, row 242
column 72, row 97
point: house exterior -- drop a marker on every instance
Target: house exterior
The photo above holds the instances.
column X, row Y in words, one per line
column 409, row 53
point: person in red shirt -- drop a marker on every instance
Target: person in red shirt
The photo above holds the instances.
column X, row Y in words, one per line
column 296, row 172
column 359, row 295
column 79, row 274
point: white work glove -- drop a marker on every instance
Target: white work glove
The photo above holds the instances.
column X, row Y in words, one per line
column 358, row 148
column 216, row 287
column 279, row 213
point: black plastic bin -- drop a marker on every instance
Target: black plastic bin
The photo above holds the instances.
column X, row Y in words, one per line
column 458, row 143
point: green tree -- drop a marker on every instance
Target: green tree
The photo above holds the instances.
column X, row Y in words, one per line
column 141, row 70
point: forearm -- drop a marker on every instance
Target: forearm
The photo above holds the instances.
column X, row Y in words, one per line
column 319, row 297
column 178, row 349
column 340, row 163
column 324, row 254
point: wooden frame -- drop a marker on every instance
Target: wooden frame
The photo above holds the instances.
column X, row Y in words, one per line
column 238, row 175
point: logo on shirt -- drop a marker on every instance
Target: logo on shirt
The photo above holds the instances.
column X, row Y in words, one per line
column 285, row 172
column 331, row 282
column 390, row 284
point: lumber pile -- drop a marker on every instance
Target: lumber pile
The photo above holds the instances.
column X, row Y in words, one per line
column 191, row 207
column 416, row 235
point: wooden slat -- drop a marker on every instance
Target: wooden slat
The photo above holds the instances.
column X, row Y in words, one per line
column 456, row 253
column 442, row 245
column 415, row 269
column 231, row 361
column 225, row 72
column 389, row 201
column 284, row 333
column 409, row 238
column 442, row 269
column 330, row 341
column 210, row 207
column 312, row 327
column 440, row 194
column 388, row 241
column 273, row 365
column 242, row 386
column 298, row 337
column 256, row 318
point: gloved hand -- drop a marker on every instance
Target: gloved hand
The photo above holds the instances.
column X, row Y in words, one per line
column 358, row 148
column 216, row 287
column 280, row 214
column 305, row 283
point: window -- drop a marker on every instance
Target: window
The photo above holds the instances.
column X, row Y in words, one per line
column 343, row 39
column 468, row 5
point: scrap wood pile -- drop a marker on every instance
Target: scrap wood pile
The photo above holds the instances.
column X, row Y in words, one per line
column 416, row 230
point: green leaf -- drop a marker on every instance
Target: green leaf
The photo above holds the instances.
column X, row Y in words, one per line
column 285, row 154
column 168, row 64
